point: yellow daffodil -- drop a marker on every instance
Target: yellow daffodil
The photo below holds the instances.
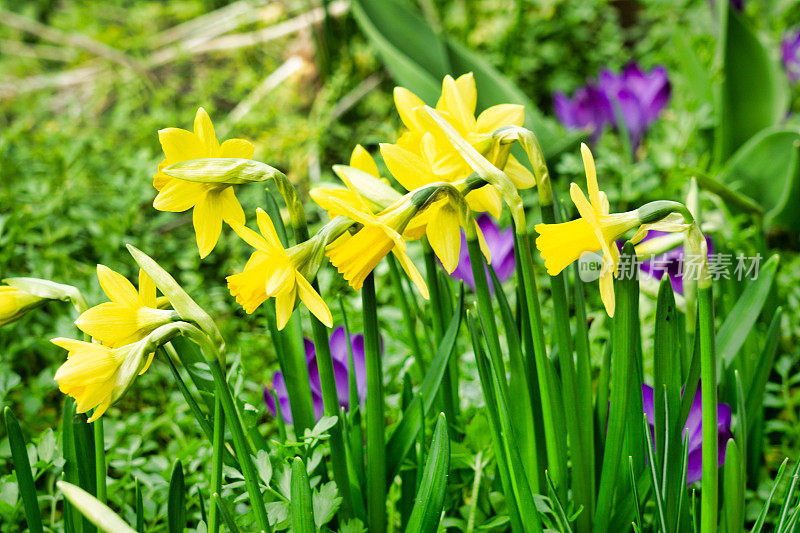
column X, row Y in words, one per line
column 213, row 203
column 457, row 104
column 597, row 229
column 438, row 221
column 14, row 303
column 96, row 375
column 355, row 256
column 273, row 271
column 130, row 315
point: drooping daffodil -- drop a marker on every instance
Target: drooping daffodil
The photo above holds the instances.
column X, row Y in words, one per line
column 14, row 303
column 273, row 271
column 212, row 203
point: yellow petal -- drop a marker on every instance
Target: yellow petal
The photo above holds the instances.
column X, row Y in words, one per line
column 459, row 98
column 482, row 243
column 356, row 256
column 406, row 102
column 361, row 160
column 237, row 148
column 179, row 195
column 500, row 116
column 591, row 177
column 284, row 305
column 267, row 229
column 412, row 272
column 229, row 206
column 407, row 168
column 521, row 177
column 72, row 345
column 486, row 199
column 444, row 236
column 204, row 130
column 117, row 287
column 607, row 293
column 562, row 244
column 147, row 290
column 251, row 237
column 207, row 219
column 278, row 274
column 147, row 363
column 248, row 286
column 313, row 301
column 180, row 145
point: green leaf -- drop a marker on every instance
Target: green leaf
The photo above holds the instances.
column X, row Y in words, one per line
column 176, row 502
column 326, row 503
column 325, row 423
column 409, row 426
column 47, row 446
column 763, row 367
column 733, row 488
column 301, row 501
column 22, row 467
column 762, row 516
column 766, row 169
column 264, row 467
column 430, row 497
column 97, row 512
column 744, row 314
column 754, row 89
column 225, row 512
column 139, row 508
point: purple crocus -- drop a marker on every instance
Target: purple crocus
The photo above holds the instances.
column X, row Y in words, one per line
column 670, row 262
column 790, row 54
column 637, row 96
column 501, row 249
column 693, row 431
column 339, row 354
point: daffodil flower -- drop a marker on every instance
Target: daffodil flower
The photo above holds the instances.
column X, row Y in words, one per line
column 598, row 229
column 96, row 375
column 355, row 256
column 130, row 316
column 14, row 303
column 273, row 271
column 457, row 104
column 212, row 203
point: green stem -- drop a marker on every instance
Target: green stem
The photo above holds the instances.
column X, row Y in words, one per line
column 376, row 438
column 708, row 376
column 330, row 401
column 216, row 464
column 100, row 459
column 240, row 445
column 554, row 436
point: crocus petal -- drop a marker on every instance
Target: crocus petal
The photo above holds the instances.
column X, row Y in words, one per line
column 338, row 345
column 117, row 287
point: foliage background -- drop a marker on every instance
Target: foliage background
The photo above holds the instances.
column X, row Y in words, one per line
column 76, row 162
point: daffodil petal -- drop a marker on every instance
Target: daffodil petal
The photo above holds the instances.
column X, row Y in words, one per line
column 179, row 195
column 607, row 293
column 207, row 219
column 313, row 301
column 117, row 287
column 444, row 236
column 591, row 177
column 412, row 272
column 267, row 228
column 284, row 305
column 486, row 199
column 229, row 206
column 521, row 177
column 500, row 116
column 361, row 160
column 407, row 168
column 251, row 237
column 406, row 102
column 458, row 100
column 147, row 290
column 238, row 148
column 204, row 130
column 180, row 145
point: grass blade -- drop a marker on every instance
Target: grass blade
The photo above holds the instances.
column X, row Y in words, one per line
column 22, row 467
column 139, row 510
column 302, row 505
column 762, row 516
column 176, row 502
column 427, row 509
column 733, row 488
column 227, row 517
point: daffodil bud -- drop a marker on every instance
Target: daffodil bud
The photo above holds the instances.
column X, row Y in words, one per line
column 375, row 190
column 180, row 300
column 14, row 303
column 223, row 170
column 44, row 289
column 93, row 509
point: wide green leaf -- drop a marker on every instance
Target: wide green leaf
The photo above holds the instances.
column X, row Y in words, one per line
column 754, row 91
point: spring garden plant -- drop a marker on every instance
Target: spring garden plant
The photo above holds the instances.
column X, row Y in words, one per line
column 645, row 443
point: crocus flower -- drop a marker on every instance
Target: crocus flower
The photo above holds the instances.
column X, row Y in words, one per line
column 340, row 356
column 693, row 431
column 670, row 262
column 500, row 243
column 790, row 54
column 637, row 96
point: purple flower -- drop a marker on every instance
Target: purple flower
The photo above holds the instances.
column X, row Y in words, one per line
column 637, row 96
column 790, row 54
column 670, row 263
column 693, row 431
column 338, row 343
column 501, row 249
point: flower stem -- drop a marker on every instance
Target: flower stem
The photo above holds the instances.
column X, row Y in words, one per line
column 100, row 459
column 216, row 464
column 240, row 445
column 708, row 375
column 376, row 439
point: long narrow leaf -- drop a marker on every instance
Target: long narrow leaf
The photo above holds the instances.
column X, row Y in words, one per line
column 427, row 509
column 176, row 502
column 22, row 467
